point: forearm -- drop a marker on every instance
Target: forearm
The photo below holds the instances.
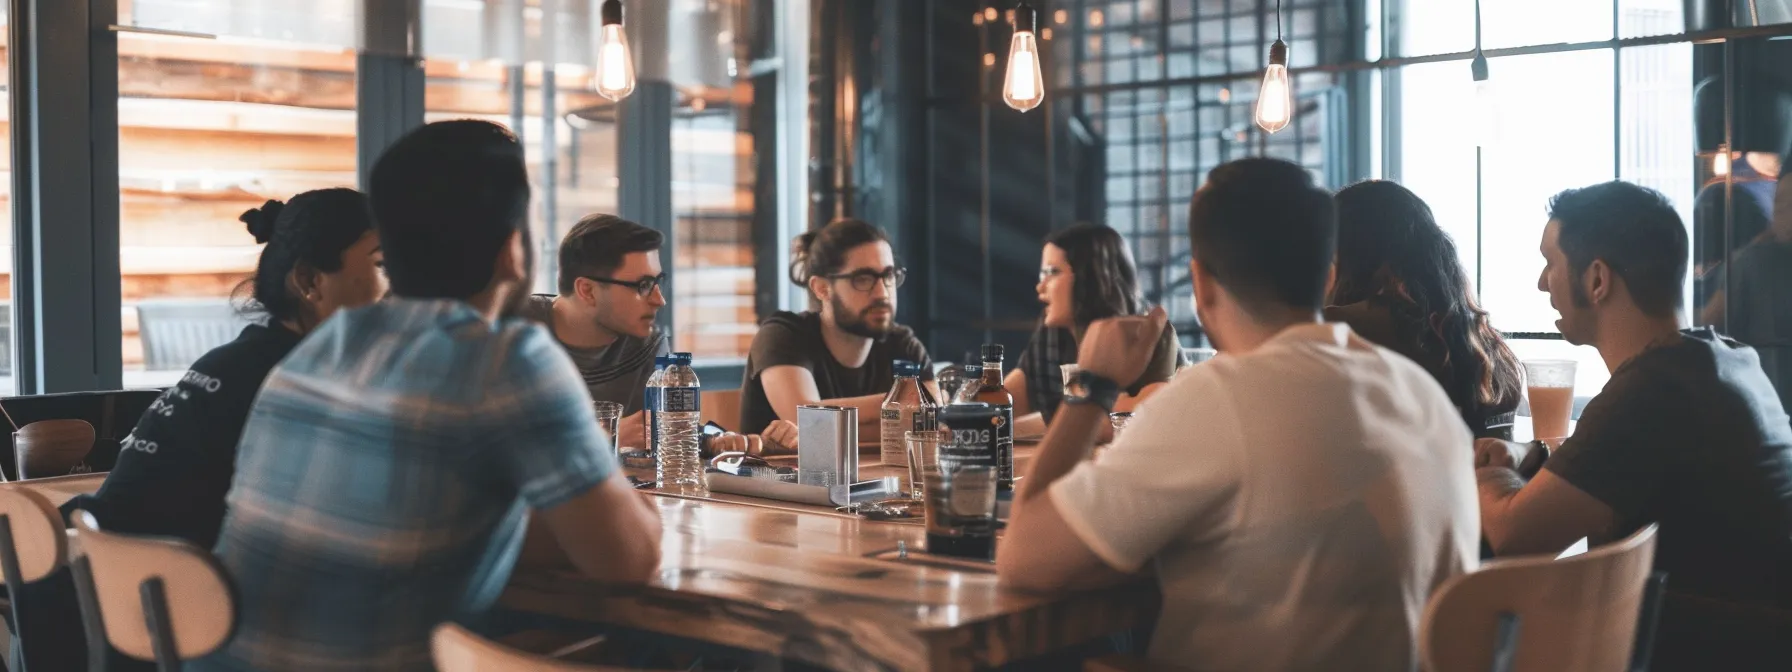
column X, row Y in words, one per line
column 1067, row 442
column 1497, row 486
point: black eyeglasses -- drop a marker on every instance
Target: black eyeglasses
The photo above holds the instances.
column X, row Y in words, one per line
column 865, row 280
column 642, row 287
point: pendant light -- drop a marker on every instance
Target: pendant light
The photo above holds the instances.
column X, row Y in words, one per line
column 615, row 65
column 1485, row 101
column 1275, row 99
column 1023, row 87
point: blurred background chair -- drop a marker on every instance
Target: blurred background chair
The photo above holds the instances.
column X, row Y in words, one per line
column 52, row 448
column 1540, row 613
column 176, row 332
column 112, row 415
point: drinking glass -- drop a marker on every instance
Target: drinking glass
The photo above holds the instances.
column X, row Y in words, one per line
column 609, row 415
column 923, row 454
column 961, row 511
column 1549, row 387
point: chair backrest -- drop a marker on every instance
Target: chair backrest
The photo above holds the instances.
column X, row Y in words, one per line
column 38, row 535
column 201, row 609
column 1577, row 613
column 176, row 332
column 457, row 649
column 113, row 415
column 723, row 408
column 52, row 447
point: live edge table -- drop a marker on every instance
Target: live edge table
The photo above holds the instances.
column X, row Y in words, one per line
column 808, row 584
column 806, row 587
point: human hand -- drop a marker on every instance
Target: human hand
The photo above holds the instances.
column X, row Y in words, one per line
column 631, row 431
column 780, row 438
column 1498, row 453
column 1119, row 348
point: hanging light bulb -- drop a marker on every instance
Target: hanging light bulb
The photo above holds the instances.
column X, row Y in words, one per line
column 1486, row 102
column 615, row 66
column 1720, row 162
column 1275, row 99
column 1024, row 86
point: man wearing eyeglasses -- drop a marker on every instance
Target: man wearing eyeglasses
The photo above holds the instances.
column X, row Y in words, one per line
column 839, row 355
column 610, row 291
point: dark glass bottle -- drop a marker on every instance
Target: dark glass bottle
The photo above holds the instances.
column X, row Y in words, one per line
column 990, row 391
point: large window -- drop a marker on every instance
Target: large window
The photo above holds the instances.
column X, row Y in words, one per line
column 1168, row 87
column 1163, row 134
column 257, row 103
column 494, row 60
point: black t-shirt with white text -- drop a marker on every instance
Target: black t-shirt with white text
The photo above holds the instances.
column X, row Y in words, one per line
column 794, row 339
column 175, row 467
column 1692, row 436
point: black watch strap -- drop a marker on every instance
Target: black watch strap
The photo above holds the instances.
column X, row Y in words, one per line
column 1088, row 388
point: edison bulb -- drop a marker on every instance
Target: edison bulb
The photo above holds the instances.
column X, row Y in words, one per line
column 615, row 66
column 1023, row 87
column 1275, row 100
column 1720, row 162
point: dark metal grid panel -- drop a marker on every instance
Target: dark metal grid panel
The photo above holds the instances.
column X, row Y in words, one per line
column 1161, row 140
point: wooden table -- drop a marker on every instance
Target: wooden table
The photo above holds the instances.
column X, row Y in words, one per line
column 801, row 586
column 60, row 489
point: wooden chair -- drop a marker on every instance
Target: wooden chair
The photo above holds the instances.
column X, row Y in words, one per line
column 1539, row 613
column 52, row 447
column 723, row 408
column 33, row 545
column 457, row 649
column 155, row 599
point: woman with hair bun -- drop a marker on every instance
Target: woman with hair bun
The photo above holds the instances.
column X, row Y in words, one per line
column 174, row 469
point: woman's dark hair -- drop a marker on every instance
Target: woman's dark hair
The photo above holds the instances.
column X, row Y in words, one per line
column 313, row 229
column 1390, row 248
column 1105, row 284
column 822, row 252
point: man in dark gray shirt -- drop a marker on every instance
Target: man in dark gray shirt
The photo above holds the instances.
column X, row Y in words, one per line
column 610, row 278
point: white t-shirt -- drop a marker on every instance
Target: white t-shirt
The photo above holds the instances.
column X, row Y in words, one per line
column 1300, row 503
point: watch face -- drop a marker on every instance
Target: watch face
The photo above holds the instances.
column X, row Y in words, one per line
column 1076, row 388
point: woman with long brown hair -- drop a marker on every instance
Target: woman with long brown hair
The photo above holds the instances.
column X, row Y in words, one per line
column 1401, row 285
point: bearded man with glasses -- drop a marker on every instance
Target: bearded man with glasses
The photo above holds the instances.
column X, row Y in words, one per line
column 841, row 353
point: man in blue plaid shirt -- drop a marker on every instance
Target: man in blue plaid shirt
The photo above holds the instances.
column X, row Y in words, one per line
column 390, row 465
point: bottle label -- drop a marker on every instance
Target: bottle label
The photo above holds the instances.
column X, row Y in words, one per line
column 893, row 452
column 680, row 400
column 1004, row 447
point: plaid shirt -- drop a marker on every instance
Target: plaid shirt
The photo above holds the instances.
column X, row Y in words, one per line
column 384, row 479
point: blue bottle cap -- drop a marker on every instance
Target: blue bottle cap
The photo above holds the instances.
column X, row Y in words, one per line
column 906, row 369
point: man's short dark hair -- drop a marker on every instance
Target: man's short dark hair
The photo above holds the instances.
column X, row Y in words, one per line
column 596, row 245
column 1266, row 232
column 1634, row 230
column 446, row 199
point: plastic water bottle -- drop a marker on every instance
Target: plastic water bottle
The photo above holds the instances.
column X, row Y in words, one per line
column 909, row 407
column 646, row 458
column 677, row 426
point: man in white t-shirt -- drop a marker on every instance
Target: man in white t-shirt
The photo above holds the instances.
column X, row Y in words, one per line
column 1299, row 496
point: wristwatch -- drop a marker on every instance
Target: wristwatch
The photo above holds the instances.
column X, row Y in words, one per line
column 1088, row 388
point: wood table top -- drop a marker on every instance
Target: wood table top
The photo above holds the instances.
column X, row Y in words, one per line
column 804, row 587
column 60, row 489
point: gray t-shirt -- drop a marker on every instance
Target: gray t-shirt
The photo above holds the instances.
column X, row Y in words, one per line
column 616, row 372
